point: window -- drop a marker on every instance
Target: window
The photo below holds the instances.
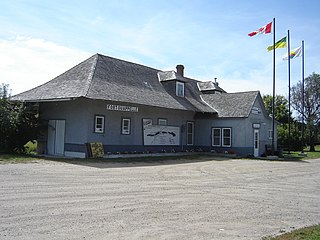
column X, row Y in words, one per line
column 216, row 137
column 190, row 129
column 99, row 124
column 125, row 129
column 270, row 134
column 162, row 121
column 221, row 137
column 226, row 139
column 180, row 89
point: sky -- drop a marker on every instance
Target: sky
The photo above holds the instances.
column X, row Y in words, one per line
column 41, row 39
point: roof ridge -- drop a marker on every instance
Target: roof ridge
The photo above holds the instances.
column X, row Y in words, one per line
column 253, row 91
column 209, row 105
column 127, row 61
column 92, row 71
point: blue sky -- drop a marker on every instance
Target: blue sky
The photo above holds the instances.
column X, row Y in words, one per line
column 41, row 39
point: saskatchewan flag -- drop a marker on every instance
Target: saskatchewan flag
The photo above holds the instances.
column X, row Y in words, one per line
column 282, row 43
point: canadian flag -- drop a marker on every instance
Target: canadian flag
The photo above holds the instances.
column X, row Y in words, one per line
column 263, row 30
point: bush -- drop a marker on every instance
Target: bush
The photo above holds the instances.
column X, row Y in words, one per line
column 18, row 123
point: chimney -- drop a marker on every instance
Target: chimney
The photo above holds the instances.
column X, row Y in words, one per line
column 180, row 69
column 215, row 82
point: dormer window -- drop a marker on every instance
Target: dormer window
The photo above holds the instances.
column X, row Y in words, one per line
column 180, row 89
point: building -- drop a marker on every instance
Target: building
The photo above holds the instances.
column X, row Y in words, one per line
column 131, row 108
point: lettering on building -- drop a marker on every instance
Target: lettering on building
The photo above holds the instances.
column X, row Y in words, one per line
column 122, row 108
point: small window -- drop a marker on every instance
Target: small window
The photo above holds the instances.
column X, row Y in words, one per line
column 180, row 89
column 162, row 121
column 216, row 137
column 226, row 137
column 270, row 134
column 190, row 130
column 99, row 124
column 126, row 125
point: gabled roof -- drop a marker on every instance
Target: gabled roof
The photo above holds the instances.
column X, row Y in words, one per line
column 230, row 105
column 106, row 78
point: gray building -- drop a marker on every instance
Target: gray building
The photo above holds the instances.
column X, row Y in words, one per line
column 131, row 108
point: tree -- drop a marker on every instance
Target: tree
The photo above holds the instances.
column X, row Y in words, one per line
column 311, row 111
column 18, row 122
column 280, row 107
column 282, row 116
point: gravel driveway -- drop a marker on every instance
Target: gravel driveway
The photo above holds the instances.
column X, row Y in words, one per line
column 179, row 199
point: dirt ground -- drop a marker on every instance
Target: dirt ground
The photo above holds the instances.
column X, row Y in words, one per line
column 178, row 199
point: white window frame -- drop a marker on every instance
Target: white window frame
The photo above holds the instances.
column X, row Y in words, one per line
column 190, row 133
column 99, row 127
column 218, row 137
column 270, row 134
column 180, row 89
column 125, row 128
column 162, row 121
column 223, row 137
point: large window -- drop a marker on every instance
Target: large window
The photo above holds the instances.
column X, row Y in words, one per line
column 126, row 126
column 221, row 137
column 216, row 137
column 226, row 139
column 99, row 124
column 190, row 129
column 180, row 89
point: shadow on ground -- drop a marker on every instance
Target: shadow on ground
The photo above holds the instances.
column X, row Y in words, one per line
column 139, row 162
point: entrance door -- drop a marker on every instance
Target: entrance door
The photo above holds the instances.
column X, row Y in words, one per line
column 256, row 141
column 56, row 132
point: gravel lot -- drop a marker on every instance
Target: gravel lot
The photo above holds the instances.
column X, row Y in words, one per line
column 178, row 199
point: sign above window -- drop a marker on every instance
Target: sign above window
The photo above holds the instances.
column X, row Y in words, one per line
column 122, row 108
column 255, row 110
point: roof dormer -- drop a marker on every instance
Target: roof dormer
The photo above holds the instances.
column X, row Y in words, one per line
column 173, row 82
column 210, row 87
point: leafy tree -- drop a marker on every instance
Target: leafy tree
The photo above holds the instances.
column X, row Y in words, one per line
column 281, row 116
column 281, row 107
column 311, row 111
column 18, row 122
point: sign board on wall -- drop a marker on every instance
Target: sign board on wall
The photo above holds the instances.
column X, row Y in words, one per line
column 122, row 108
column 161, row 135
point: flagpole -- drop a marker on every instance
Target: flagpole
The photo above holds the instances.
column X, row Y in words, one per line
column 302, row 71
column 274, row 81
column 289, row 95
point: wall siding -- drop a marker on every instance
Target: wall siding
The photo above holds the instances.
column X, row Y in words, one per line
column 80, row 115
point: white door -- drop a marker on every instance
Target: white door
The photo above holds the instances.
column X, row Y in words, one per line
column 256, row 142
column 56, row 132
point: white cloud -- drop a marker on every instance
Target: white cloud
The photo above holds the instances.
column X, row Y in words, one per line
column 28, row 62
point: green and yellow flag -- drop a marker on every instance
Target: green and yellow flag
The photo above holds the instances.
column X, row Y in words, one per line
column 282, row 43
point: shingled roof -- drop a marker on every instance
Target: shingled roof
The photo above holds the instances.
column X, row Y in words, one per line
column 106, row 78
column 231, row 105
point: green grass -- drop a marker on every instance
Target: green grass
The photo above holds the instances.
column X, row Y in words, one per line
column 295, row 155
column 18, row 158
column 31, row 157
column 308, row 233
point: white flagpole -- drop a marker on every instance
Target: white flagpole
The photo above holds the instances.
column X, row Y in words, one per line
column 289, row 95
column 302, row 73
column 274, row 82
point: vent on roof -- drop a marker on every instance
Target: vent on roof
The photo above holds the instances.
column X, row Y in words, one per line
column 148, row 85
